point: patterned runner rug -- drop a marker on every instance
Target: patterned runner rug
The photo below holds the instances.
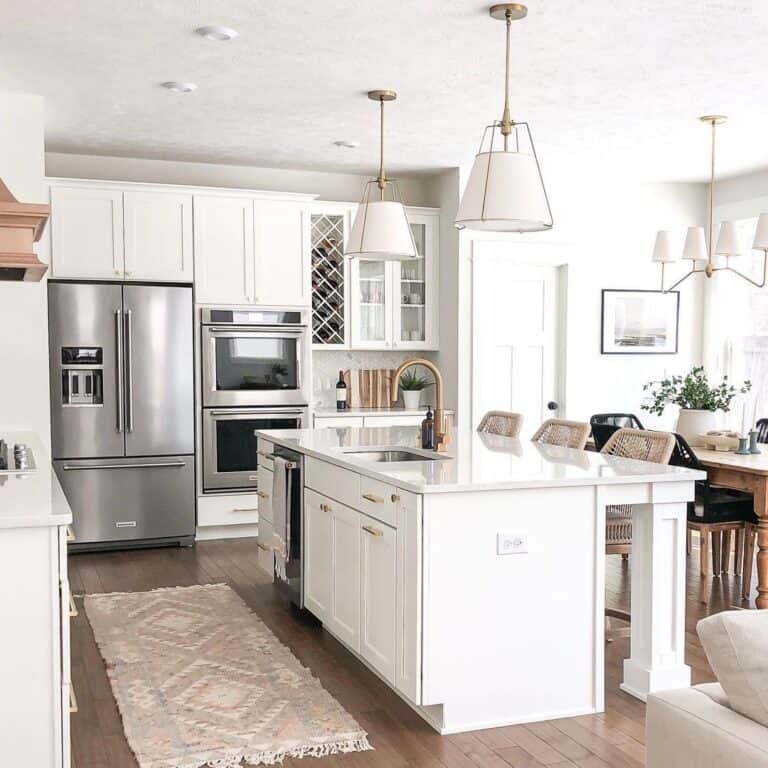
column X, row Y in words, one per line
column 201, row 681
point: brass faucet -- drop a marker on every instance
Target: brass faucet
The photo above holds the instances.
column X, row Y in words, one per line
column 442, row 437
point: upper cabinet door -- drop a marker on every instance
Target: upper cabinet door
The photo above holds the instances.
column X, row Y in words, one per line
column 282, row 254
column 87, row 233
column 158, row 236
column 224, row 242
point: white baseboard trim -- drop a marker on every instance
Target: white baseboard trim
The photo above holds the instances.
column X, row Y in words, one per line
column 209, row 532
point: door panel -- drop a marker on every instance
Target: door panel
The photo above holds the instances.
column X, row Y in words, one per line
column 318, row 556
column 87, row 316
column 345, row 618
column 378, row 600
column 159, row 376
column 158, row 236
column 120, row 501
column 515, row 339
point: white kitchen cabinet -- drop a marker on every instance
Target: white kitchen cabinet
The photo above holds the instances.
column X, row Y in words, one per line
column 322, row 422
column 282, row 262
column 378, row 600
column 344, row 619
column 224, row 250
column 318, row 555
column 87, row 233
column 158, row 236
column 228, row 509
column 265, row 544
column 394, row 305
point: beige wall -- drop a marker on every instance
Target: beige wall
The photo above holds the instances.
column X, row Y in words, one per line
column 24, row 400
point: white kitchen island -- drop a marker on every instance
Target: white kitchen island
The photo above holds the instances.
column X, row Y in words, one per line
column 474, row 584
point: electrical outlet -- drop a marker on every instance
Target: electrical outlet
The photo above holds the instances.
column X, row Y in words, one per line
column 511, row 542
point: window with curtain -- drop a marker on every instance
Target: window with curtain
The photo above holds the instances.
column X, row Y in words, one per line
column 737, row 331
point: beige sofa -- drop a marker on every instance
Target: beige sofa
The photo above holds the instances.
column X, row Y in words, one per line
column 723, row 724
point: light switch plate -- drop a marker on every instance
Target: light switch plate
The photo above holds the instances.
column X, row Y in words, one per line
column 512, row 542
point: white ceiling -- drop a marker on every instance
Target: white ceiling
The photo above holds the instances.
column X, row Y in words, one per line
column 616, row 80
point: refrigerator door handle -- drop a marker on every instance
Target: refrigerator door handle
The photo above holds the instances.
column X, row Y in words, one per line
column 119, row 374
column 129, row 369
column 145, row 465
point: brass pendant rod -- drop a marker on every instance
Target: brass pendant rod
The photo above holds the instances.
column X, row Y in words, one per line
column 382, row 179
column 506, row 122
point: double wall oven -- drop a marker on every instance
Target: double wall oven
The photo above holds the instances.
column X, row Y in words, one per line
column 253, row 377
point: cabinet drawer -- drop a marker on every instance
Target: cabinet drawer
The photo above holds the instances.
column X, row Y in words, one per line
column 266, row 479
column 333, row 481
column 378, row 500
column 321, row 422
column 265, row 450
column 395, row 421
column 265, row 556
column 228, row 510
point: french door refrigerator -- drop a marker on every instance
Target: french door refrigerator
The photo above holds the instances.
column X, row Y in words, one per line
column 122, row 411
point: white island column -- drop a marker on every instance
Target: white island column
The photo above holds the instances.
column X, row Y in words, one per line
column 657, row 655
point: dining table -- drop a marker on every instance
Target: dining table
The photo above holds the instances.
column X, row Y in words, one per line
column 745, row 473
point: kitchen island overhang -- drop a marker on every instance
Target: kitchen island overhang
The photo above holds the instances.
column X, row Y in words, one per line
column 498, row 567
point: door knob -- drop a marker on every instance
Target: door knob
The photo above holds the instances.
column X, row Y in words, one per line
column 552, row 405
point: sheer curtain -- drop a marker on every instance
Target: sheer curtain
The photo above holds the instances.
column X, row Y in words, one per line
column 736, row 342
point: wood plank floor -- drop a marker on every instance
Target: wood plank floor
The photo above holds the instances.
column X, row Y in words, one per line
column 401, row 739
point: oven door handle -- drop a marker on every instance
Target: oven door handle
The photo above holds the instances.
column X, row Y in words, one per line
column 257, row 413
column 271, row 330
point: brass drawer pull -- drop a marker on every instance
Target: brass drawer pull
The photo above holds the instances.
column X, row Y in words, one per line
column 373, row 497
column 263, row 546
column 245, row 509
column 72, row 699
column 326, row 507
column 70, row 533
column 373, row 531
column 72, row 606
column 262, row 495
column 395, row 498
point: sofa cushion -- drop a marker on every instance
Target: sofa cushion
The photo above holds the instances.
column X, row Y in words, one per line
column 736, row 643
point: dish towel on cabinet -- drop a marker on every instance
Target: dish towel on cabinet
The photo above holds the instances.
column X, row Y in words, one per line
column 280, row 516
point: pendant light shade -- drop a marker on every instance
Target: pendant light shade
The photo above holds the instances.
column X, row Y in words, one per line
column 663, row 252
column 381, row 231
column 728, row 240
column 695, row 248
column 760, row 242
column 505, row 191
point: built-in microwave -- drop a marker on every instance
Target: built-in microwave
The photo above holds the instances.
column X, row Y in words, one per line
column 254, row 357
column 230, row 459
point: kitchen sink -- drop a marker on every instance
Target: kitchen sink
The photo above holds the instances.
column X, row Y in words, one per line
column 395, row 454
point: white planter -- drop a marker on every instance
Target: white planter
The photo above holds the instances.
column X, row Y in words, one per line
column 411, row 399
column 691, row 424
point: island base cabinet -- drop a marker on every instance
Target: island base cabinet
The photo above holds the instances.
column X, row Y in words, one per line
column 318, row 556
column 378, row 605
column 344, row 620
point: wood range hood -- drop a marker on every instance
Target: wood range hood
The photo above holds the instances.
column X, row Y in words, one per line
column 21, row 225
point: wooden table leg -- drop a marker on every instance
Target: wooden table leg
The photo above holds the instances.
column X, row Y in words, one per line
column 761, row 510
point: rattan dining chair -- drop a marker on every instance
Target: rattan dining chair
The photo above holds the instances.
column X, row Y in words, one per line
column 571, row 434
column 646, row 445
column 504, row 423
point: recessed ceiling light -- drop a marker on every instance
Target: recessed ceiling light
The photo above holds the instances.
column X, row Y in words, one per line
column 347, row 144
column 177, row 87
column 220, row 34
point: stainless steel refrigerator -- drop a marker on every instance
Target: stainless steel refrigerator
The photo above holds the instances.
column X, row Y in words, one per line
column 122, row 410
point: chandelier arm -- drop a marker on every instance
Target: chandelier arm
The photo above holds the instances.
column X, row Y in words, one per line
column 674, row 285
column 750, row 279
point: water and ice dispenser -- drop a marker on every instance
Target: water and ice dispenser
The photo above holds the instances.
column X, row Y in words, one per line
column 82, row 376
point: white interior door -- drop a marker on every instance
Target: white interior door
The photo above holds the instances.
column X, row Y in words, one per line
column 515, row 339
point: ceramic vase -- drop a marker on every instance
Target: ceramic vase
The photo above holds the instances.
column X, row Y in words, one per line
column 411, row 399
column 692, row 423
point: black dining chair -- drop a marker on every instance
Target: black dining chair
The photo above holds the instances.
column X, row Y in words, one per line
column 762, row 430
column 605, row 424
column 716, row 513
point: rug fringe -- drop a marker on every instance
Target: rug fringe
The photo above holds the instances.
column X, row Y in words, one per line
column 359, row 743
column 156, row 589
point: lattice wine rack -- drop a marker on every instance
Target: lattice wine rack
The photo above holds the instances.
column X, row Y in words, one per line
column 328, row 279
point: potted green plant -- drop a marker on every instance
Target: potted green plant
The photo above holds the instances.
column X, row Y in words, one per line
column 697, row 398
column 411, row 387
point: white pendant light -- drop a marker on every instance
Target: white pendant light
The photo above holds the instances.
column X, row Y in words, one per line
column 663, row 252
column 505, row 191
column 381, row 231
column 697, row 248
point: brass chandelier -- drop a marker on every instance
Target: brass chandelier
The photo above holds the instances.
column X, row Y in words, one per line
column 701, row 250
column 505, row 191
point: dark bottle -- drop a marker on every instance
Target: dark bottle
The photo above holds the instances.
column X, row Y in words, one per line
column 341, row 393
column 428, row 431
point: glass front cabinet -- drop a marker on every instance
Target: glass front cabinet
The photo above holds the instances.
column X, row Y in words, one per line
column 394, row 304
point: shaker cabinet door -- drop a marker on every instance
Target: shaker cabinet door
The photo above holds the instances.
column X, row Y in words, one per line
column 158, row 236
column 86, row 233
column 345, row 610
column 318, row 556
column 224, row 247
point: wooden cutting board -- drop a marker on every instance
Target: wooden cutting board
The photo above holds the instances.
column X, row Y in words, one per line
column 368, row 388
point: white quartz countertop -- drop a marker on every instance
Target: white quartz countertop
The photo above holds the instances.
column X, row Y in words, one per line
column 328, row 412
column 480, row 463
column 29, row 499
